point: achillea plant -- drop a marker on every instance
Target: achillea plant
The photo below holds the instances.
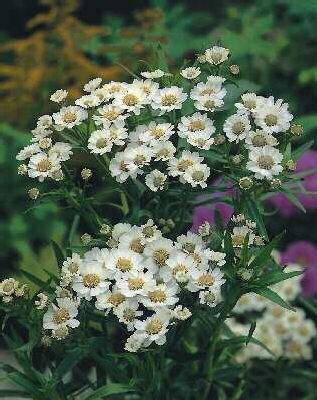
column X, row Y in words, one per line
column 140, row 306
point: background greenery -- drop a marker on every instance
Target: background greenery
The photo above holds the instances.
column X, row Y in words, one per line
column 55, row 44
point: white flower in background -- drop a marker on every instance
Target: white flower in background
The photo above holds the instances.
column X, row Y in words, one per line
column 260, row 138
column 92, row 85
column 177, row 166
column 239, row 234
column 210, row 297
column 59, row 96
column 108, row 114
column 121, row 167
column 150, row 231
column 273, row 117
column 208, row 103
column 265, row 162
column 154, row 328
column 61, row 315
column 216, row 55
column 42, row 166
column 156, row 74
column 91, row 280
column 102, row 93
column 100, row 141
column 109, row 300
column 190, row 72
column 113, row 88
column 213, row 88
column 168, row 99
column 44, row 122
column 72, row 264
column 140, row 156
column 41, row 302
column 130, row 99
column 61, row 151
column 40, row 133
column 163, row 150
column 155, row 180
column 68, row 117
column 128, row 312
column 154, row 132
column 148, row 87
column 181, row 313
column 197, row 175
column 158, row 252
column 8, row 288
column 236, row 127
column 134, row 342
column 160, row 295
column 249, row 103
column 88, row 101
column 28, row 151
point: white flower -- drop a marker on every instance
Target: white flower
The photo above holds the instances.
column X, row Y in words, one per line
column 158, row 73
column 158, row 252
column 42, row 166
column 140, row 156
column 208, row 103
column 181, row 313
column 100, row 142
column 68, row 117
column 121, row 167
column 72, row 264
column 217, row 258
column 135, row 283
column 179, row 267
column 201, row 140
column 91, row 280
column 273, row 117
column 250, row 101
column 155, row 132
column 134, row 342
column 40, row 133
column 177, row 166
column 195, row 124
column 113, row 88
column 121, row 262
column 216, row 55
column 8, row 288
column 155, row 180
column 148, row 87
column 120, row 229
column 61, row 151
column 205, row 280
column 133, row 240
column 236, row 127
column 212, row 88
column 150, row 231
column 163, row 150
column 190, row 72
column 239, row 234
column 210, row 297
column 108, row 113
column 127, row 313
column 88, row 101
column 131, row 99
column 44, row 122
column 92, row 84
column 154, row 328
column 260, row 138
column 28, row 151
column 61, row 315
column 190, row 242
column 160, row 295
column 265, row 162
column 109, row 300
column 168, row 99
column 59, row 96
column 196, row 175
column 42, row 301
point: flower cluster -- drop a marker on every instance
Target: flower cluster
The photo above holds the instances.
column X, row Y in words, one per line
column 286, row 333
column 11, row 288
column 140, row 278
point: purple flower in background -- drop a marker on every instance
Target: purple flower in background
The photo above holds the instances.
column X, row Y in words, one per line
column 304, row 254
column 307, row 161
column 207, row 212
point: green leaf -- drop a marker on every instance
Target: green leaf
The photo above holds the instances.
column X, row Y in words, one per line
column 301, row 149
column 255, row 214
column 110, row 389
column 273, row 296
column 14, row 393
column 59, row 255
column 264, row 255
column 71, row 359
column 37, row 281
column 251, row 331
column 293, row 199
column 278, row 276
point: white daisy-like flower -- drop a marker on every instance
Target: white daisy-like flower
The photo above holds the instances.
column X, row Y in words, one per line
column 92, row 85
column 42, row 166
column 216, row 258
column 158, row 252
column 168, row 99
column 61, row 151
column 28, row 151
column 135, row 283
column 100, row 141
column 133, row 239
column 189, row 242
column 216, row 55
column 113, row 88
column 109, row 299
column 134, row 342
column 40, row 133
column 201, row 140
column 156, row 74
column 181, row 313
column 102, row 93
column 197, row 175
column 121, row 167
column 196, row 123
column 273, row 117
column 160, row 295
column 178, row 166
column 72, row 264
column 239, row 234
column 41, row 302
column 150, row 231
column 212, row 88
column 155, row 180
column 108, row 114
column 206, row 280
column 69, row 116
column 120, row 229
column 154, row 328
column 249, row 103
column 45, row 121
column 178, row 267
column 61, row 315
column 8, row 288
column 155, row 132
column 265, row 162
column 128, row 312
column 148, row 87
column 88, row 101
column 163, row 150
column 236, row 127
column 91, row 280
column 260, row 138
column 210, row 297
column 131, row 99
column 190, row 72
column 140, row 156
column 208, row 103
column 121, row 262
column 59, row 96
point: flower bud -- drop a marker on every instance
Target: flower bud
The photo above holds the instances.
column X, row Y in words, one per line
column 22, row 169
column 245, row 182
column 297, row 129
column 45, row 143
column 105, row 229
column 58, row 175
column 33, row 193
column 86, row 238
column 234, row 69
column 219, row 139
column 276, row 183
column 291, row 165
column 86, row 174
column 237, row 159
